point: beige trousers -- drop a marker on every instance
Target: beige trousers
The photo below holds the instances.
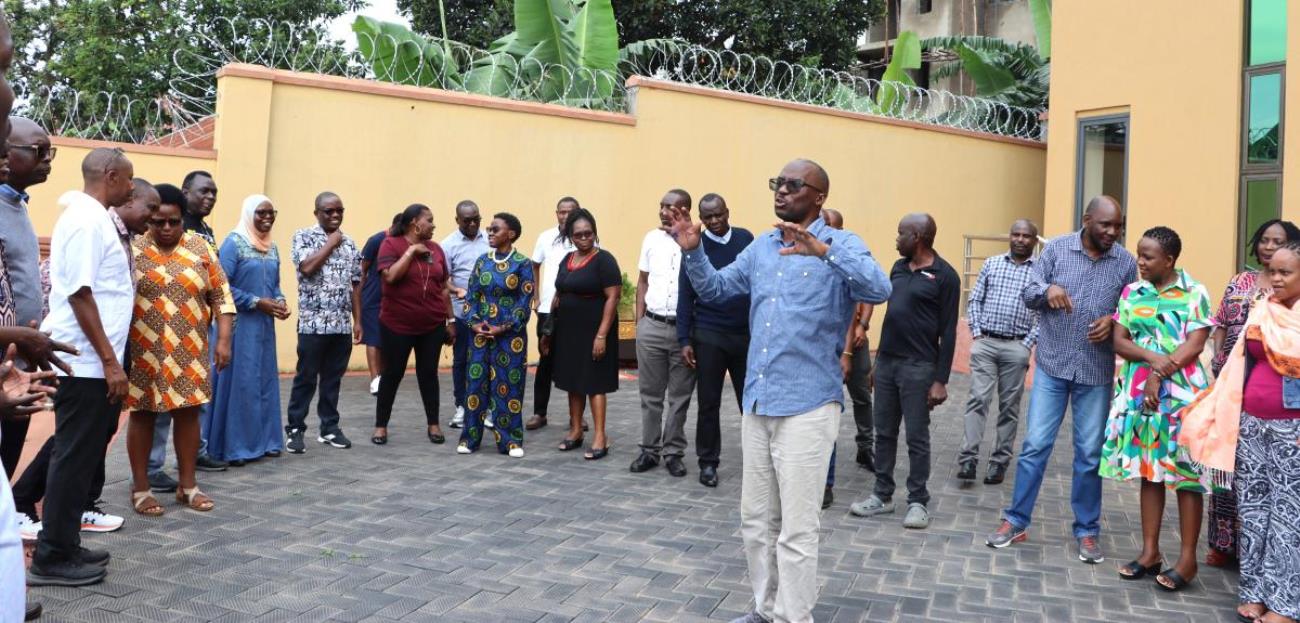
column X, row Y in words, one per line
column 785, row 464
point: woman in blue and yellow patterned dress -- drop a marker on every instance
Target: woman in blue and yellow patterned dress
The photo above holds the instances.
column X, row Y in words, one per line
column 498, row 304
column 1162, row 323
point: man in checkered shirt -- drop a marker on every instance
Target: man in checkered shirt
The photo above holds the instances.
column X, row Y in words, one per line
column 1004, row 331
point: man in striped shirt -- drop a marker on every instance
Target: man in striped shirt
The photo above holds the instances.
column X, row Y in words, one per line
column 1004, row 331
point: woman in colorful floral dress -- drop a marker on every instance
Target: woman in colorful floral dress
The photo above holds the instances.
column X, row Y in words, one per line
column 1238, row 299
column 498, row 305
column 1162, row 323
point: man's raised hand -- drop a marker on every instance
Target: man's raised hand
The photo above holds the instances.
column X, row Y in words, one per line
column 683, row 230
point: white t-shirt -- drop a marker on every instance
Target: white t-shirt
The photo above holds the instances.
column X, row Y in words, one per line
column 549, row 252
column 661, row 257
column 85, row 251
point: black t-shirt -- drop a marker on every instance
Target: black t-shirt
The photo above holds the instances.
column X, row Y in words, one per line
column 921, row 320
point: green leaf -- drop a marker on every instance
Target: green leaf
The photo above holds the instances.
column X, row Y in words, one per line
column 1042, row 12
column 492, row 75
column 595, row 33
column 543, row 25
column 906, row 55
column 990, row 80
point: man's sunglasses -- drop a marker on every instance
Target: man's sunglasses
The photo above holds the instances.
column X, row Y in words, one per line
column 42, row 151
column 795, row 185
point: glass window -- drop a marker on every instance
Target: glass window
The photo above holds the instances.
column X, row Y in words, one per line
column 1102, row 161
column 1267, row 38
column 1261, row 201
column 1264, row 119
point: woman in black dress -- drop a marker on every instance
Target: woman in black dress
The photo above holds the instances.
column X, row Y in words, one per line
column 587, row 288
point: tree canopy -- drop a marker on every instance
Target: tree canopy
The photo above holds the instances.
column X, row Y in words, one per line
column 821, row 33
column 126, row 47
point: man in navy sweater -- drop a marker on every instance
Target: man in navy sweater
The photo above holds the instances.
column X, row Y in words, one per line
column 714, row 335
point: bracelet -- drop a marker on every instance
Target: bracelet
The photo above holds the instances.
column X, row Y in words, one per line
column 600, row 337
column 847, row 353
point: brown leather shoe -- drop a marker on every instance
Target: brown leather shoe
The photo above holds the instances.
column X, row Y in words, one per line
column 535, row 422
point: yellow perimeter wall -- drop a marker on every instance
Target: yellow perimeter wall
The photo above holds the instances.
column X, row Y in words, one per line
column 382, row 147
column 1178, row 73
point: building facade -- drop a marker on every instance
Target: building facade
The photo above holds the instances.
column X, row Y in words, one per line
column 1180, row 112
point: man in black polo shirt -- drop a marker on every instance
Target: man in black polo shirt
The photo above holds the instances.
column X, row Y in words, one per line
column 912, row 366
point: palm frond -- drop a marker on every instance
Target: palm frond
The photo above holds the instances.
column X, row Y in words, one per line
column 979, row 43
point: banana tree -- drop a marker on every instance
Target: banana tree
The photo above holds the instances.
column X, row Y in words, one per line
column 1005, row 71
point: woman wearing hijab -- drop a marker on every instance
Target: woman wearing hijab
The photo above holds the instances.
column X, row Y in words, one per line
column 1246, row 428
column 245, row 422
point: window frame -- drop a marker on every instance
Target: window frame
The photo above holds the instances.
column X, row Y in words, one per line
column 1244, row 161
column 1082, row 124
column 1242, row 256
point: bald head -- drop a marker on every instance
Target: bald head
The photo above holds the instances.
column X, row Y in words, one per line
column 815, row 174
column 24, row 131
column 107, row 175
column 1103, row 222
column 922, row 224
column 1100, row 203
column 30, row 153
column 833, row 218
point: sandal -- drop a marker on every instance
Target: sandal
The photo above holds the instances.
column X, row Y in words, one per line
column 596, row 454
column 1135, row 571
column 1177, row 582
column 195, row 499
column 1246, row 618
column 146, row 504
column 437, row 437
column 570, row 444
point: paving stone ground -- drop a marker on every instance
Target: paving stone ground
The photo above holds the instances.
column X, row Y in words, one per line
column 413, row 532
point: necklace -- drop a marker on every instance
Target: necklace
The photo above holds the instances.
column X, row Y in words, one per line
column 503, row 264
column 574, row 266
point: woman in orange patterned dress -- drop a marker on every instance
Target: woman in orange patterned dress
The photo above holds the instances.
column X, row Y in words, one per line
column 180, row 290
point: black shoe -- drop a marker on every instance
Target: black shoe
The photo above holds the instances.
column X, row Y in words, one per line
column 535, row 422
column 97, row 557
column 66, row 573
column 295, row 443
column 236, row 463
column 335, row 439
column 709, row 476
column 644, row 462
column 967, row 471
column 33, row 611
column 272, row 454
column 209, row 464
column 828, row 498
column 675, row 466
column 865, row 459
column 997, row 473
column 160, row 482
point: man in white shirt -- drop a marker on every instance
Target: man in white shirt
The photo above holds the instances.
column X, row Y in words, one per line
column 91, row 300
column 660, row 364
column 547, row 255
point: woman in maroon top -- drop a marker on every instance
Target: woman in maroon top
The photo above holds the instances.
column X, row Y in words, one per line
column 413, row 315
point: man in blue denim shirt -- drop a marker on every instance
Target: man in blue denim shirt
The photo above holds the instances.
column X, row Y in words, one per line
column 804, row 280
column 1075, row 288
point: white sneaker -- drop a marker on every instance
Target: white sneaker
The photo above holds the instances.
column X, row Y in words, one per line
column 463, row 449
column 487, row 421
column 458, row 419
column 28, row 527
column 96, row 520
column 517, row 453
column 374, row 386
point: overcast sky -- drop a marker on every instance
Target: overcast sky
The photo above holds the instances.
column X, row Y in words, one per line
column 385, row 10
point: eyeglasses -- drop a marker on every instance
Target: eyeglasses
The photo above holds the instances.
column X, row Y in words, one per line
column 164, row 222
column 583, row 235
column 331, row 211
column 265, row 213
column 41, row 151
column 795, row 185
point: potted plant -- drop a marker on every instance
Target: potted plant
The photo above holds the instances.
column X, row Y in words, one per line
column 627, row 324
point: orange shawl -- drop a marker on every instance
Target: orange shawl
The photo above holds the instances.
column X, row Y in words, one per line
column 1210, row 423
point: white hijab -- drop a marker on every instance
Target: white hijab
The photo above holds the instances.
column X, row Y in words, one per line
column 246, row 230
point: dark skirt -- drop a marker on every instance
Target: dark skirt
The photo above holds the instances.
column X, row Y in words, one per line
column 370, row 326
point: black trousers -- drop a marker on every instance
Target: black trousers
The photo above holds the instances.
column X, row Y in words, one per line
column 396, row 349
column 12, row 435
column 84, row 422
column 542, row 384
column 29, row 489
column 716, row 354
column 323, row 357
column 902, row 388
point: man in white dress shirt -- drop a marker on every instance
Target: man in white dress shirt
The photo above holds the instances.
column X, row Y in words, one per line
column 660, row 364
column 547, row 255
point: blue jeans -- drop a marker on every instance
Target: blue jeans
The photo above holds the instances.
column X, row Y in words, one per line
column 161, row 433
column 459, row 359
column 1047, row 402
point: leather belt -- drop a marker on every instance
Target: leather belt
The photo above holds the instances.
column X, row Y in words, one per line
column 999, row 336
column 664, row 319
